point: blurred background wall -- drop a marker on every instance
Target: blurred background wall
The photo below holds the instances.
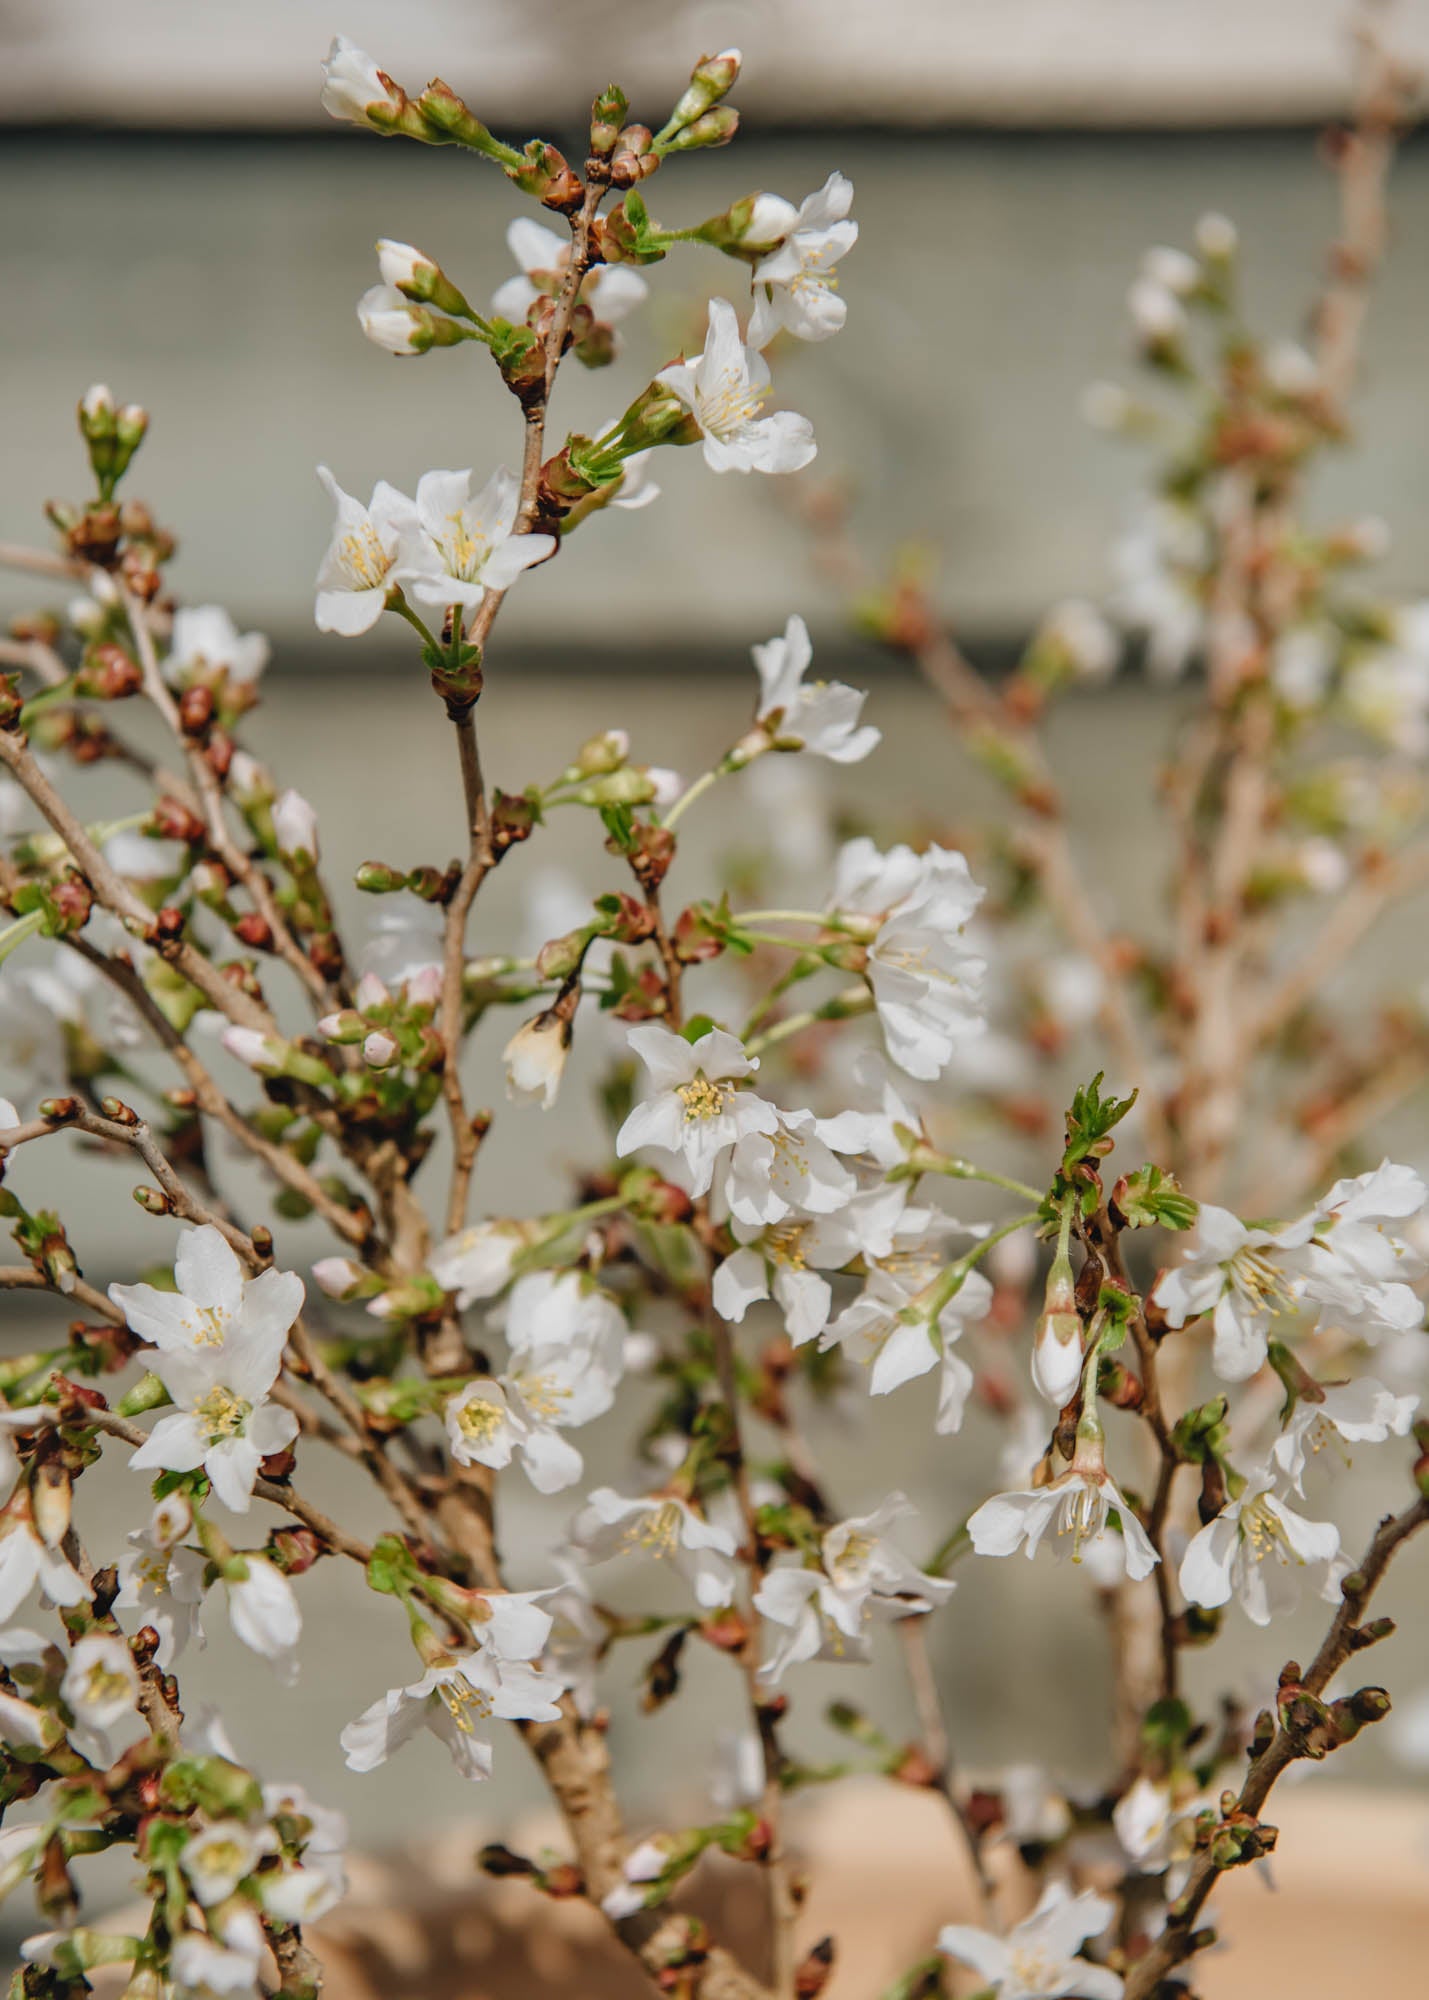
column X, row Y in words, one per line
column 179, row 220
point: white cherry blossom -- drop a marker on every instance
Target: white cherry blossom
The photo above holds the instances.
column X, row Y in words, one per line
column 1038, row 1959
column 695, row 1110
column 480, row 1261
column 789, row 1171
column 218, row 1856
column 926, row 980
column 352, row 81
column 820, row 717
column 456, row 546
column 1075, row 1508
column 1356, row 1266
column 827, row 1612
column 454, row 1697
column 612, row 291
column 204, row 636
column 100, row 1685
column 794, row 286
column 786, row 1260
column 1257, row 1548
column 1360, row 1412
column 163, row 1584
column 724, row 389
column 357, row 575
column 28, row 1558
column 1239, row 1276
column 610, row 1524
column 213, row 1305
column 264, row 1614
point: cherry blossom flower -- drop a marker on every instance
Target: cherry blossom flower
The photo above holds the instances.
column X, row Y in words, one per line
column 100, row 1688
column 1076, row 1506
column 827, row 1611
column 222, row 1963
column 577, row 1640
column 28, row 1557
column 218, row 1857
column 1156, row 1824
column 791, row 1170
column 221, row 1355
column 612, row 291
column 455, row 548
column 264, row 1614
column 1356, row 1267
column 352, row 83
column 926, row 981
column 724, row 389
column 567, row 1344
column 888, row 1328
column 696, row 1109
column 205, row 637
column 1362, row 1412
column 794, row 285
column 1232, row 1273
column 214, row 1305
column 357, row 576
column 163, row 1582
column 1038, row 1960
column 661, row 1526
column 821, row 717
column 1255, row 1550
column 785, row 1260
column 452, row 1699
column 479, row 1262
column 535, row 1059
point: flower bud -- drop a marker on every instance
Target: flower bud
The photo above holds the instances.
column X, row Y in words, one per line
column 295, row 826
column 559, row 957
column 1057, row 1348
column 389, row 321
column 249, row 785
column 422, row 989
column 372, row 998
column 339, row 1277
column 263, row 1053
column 710, row 79
column 404, row 269
column 356, row 90
column 716, row 128
column 379, row 1051
column 535, row 1058
column 345, row 1027
column 599, row 755
column 1217, row 238
column 625, row 787
column 375, row 878
column 51, row 1499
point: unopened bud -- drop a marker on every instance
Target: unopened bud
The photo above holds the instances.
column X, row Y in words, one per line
column 535, row 1058
column 716, row 128
column 599, row 755
column 295, row 826
column 377, row 879
column 345, row 1027
column 379, row 1051
column 404, row 269
column 51, row 1499
column 710, row 79
column 391, row 322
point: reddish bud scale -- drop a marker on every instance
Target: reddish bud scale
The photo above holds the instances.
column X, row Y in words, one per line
column 172, row 820
column 255, row 931
column 195, row 710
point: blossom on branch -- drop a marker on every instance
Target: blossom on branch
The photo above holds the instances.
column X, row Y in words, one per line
column 724, row 389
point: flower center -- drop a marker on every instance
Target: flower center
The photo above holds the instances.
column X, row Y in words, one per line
column 1261, row 1282
column 543, row 1395
column 363, row 557
column 1082, row 1515
column 223, row 1857
column 656, row 1530
column 852, row 1560
column 479, row 1420
column 1262, row 1533
column 1032, row 1968
column 222, row 1414
column 464, row 548
column 206, row 1325
column 466, row 1705
column 703, row 1099
column 731, row 406
column 104, row 1684
column 785, row 1245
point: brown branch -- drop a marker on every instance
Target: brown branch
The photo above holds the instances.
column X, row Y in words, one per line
column 1178, row 1940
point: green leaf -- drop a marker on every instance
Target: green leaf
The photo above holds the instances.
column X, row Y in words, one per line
column 1089, row 1121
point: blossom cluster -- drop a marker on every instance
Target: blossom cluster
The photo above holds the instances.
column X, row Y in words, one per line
column 759, row 1225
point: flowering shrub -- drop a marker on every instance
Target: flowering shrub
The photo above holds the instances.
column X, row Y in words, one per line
column 752, row 1235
